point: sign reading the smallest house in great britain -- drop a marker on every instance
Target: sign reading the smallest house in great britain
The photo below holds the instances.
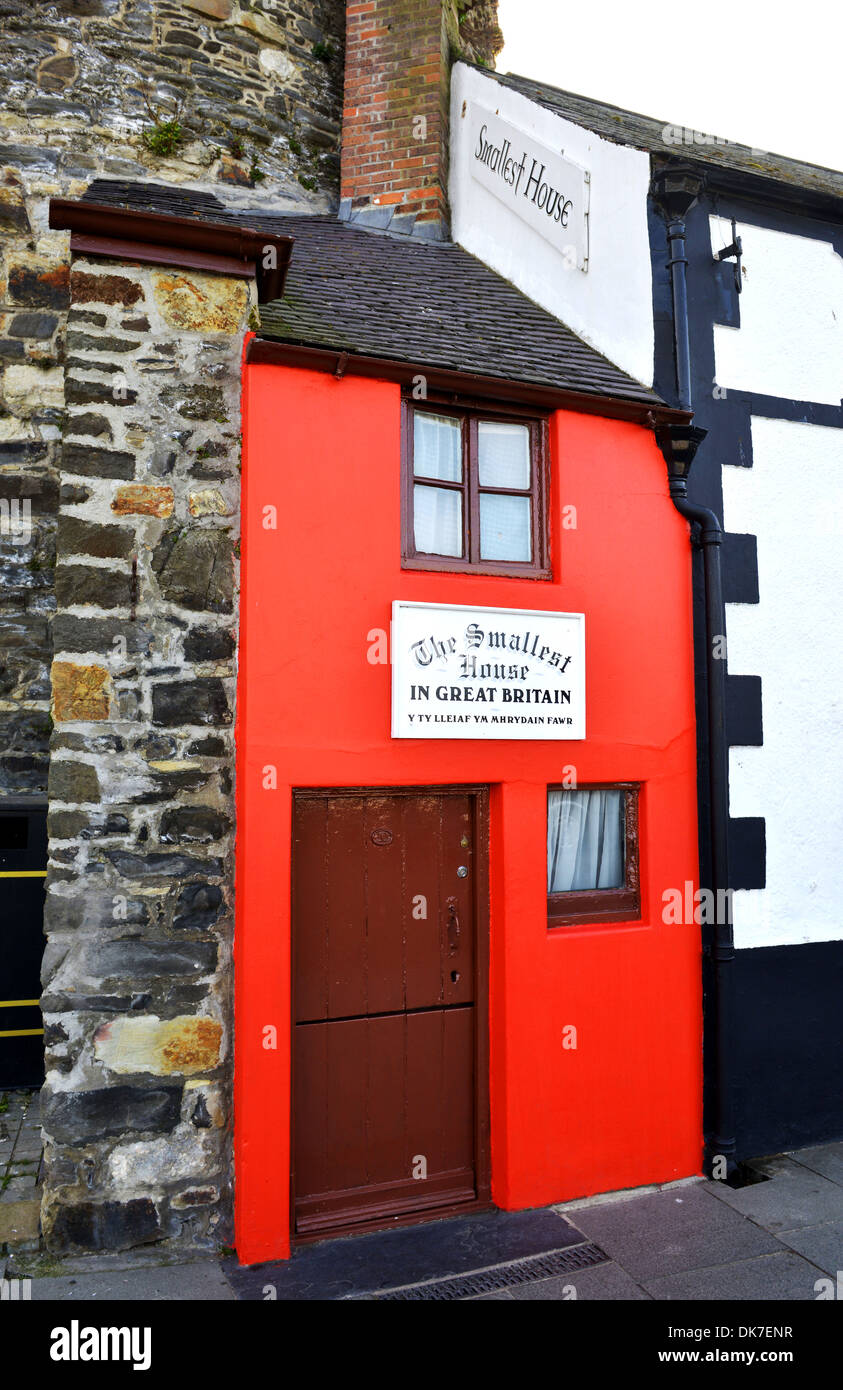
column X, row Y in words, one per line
column 460, row 672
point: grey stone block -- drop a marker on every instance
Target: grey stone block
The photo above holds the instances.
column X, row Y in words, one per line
column 195, row 569
column 83, row 584
column 78, row 392
column 94, row 911
column 136, row 960
column 198, row 907
column 72, row 634
column 196, row 402
column 93, row 342
column 142, row 866
column 97, row 463
column 75, row 316
column 105, row 1225
column 193, row 824
column 208, row 644
column 201, row 701
column 76, row 1117
column 30, row 156
column 33, row 325
column 70, row 781
column 77, row 537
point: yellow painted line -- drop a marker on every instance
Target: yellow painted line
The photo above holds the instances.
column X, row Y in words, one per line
column 21, row 1032
column 17, row 1003
column 23, row 873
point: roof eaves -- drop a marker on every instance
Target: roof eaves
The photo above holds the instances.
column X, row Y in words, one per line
column 343, row 362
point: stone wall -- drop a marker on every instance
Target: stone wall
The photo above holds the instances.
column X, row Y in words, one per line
column 136, row 973
column 34, row 292
column 254, row 89
column 258, row 85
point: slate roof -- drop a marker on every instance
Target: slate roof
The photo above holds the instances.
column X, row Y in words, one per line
column 731, row 161
column 367, row 292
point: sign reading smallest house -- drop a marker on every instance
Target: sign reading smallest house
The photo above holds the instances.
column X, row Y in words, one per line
column 465, row 672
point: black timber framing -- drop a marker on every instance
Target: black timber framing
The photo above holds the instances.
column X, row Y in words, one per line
column 787, row 1053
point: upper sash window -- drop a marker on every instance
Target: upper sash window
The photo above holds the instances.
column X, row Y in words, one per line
column 474, row 492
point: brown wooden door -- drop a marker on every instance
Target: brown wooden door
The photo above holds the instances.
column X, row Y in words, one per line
column 389, row 1046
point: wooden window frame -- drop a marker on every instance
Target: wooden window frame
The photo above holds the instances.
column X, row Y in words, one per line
column 469, row 413
column 584, row 906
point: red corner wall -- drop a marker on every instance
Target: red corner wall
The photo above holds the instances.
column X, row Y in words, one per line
column 624, row 1107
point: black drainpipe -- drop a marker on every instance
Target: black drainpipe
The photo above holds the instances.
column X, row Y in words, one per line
column 676, row 190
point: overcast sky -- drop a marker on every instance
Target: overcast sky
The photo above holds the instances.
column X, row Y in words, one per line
column 763, row 73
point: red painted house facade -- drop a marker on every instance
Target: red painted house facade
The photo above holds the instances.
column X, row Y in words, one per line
column 580, row 1070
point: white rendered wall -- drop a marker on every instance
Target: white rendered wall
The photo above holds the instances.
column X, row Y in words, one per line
column 790, row 341
column 609, row 305
column 792, row 500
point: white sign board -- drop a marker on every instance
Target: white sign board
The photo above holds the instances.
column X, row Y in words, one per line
column 466, row 672
column 545, row 190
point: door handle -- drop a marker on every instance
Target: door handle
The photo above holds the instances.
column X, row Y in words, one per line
column 453, row 926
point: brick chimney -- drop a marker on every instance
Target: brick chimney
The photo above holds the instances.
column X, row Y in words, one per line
column 398, row 60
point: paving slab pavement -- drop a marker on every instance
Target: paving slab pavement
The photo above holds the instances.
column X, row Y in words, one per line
column 201, row 1280
column 699, row 1241
column 822, row 1245
column 794, row 1196
column 668, row 1232
column 769, row 1278
column 826, row 1159
column 20, row 1169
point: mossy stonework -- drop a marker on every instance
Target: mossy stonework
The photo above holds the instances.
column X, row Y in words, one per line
column 88, row 86
column 182, row 92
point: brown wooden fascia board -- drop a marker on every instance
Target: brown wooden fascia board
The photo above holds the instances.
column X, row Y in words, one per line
column 116, row 249
column 344, row 363
column 164, row 239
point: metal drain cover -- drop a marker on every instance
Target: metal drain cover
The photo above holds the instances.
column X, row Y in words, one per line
column 502, row 1276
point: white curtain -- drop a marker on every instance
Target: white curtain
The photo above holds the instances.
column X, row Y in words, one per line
column 585, row 840
column 504, row 527
column 437, row 447
column 504, row 454
column 437, row 520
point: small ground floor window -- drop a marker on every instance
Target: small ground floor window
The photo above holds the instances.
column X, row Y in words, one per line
column 592, row 855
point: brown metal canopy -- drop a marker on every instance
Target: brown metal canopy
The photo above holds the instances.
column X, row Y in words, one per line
column 163, row 239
